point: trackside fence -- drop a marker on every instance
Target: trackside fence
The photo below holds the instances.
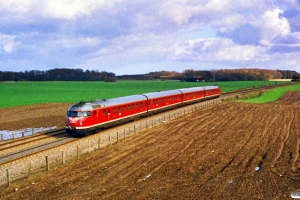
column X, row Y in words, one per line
column 8, row 135
column 58, row 156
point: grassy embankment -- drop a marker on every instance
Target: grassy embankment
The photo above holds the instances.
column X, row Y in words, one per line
column 28, row 93
column 272, row 95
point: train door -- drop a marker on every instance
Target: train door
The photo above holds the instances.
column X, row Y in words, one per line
column 108, row 114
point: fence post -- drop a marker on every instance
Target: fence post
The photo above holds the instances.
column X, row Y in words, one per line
column 29, row 170
column 134, row 129
column 99, row 142
column 63, row 157
column 7, row 177
column 117, row 136
column 124, row 134
column 47, row 164
column 109, row 139
column 78, row 149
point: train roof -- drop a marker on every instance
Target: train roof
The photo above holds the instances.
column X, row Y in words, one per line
column 100, row 103
column 83, row 106
column 193, row 89
column 160, row 94
column 210, row 87
column 121, row 100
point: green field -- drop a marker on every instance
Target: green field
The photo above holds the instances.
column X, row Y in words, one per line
column 272, row 95
column 27, row 93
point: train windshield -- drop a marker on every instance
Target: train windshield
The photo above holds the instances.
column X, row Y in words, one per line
column 78, row 114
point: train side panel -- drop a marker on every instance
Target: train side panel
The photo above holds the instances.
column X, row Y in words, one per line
column 212, row 92
column 160, row 101
column 192, row 95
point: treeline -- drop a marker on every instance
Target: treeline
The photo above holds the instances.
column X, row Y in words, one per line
column 246, row 74
column 58, row 75
column 216, row 75
column 187, row 75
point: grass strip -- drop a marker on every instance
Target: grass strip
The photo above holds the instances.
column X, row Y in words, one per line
column 272, row 95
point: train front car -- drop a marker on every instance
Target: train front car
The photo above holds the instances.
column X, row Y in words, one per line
column 79, row 118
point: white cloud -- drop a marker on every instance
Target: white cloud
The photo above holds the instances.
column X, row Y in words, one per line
column 155, row 34
column 7, row 42
column 273, row 26
column 218, row 50
column 70, row 9
column 65, row 9
column 16, row 5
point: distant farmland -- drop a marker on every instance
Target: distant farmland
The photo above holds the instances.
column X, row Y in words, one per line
column 28, row 93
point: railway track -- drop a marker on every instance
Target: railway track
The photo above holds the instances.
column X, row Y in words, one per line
column 27, row 139
column 16, row 148
column 22, row 147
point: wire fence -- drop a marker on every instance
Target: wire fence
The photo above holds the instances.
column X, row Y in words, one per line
column 57, row 156
column 8, row 135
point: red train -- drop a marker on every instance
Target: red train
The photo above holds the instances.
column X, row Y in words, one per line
column 85, row 118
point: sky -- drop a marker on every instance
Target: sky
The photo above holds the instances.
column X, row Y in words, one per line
column 142, row 36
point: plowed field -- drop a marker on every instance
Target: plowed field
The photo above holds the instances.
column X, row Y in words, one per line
column 229, row 151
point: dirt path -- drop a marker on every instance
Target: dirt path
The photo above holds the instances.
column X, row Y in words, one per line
column 211, row 154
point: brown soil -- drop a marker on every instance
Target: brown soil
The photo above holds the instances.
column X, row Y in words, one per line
column 210, row 154
column 35, row 116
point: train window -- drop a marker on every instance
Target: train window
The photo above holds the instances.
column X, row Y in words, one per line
column 120, row 109
column 72, row 114
column 132, row 106
column 87, row 114
column 104, row 112
column 115, row 110
column 141, row 105
column 128, row 107
column 79, row 114
column 124, row 108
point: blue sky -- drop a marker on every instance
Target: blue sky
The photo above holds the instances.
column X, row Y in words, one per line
column 141, row 36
